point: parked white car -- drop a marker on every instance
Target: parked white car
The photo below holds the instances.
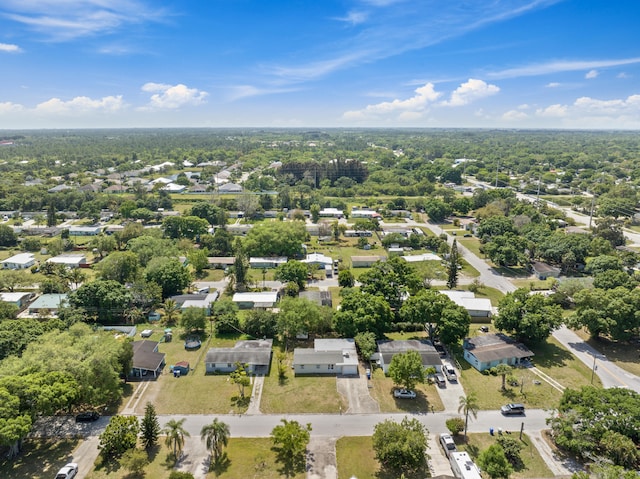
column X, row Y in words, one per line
column 404, row 394
column 69, row 471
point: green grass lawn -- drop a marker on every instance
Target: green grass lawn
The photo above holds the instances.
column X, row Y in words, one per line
column 300, row 394
column 160, row 466
column 533, row 465
column 39, row 459
column 381, row 389
column 356, row 458
column 623, row 354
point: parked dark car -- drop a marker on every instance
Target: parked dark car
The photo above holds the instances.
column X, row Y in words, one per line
column 88, row 416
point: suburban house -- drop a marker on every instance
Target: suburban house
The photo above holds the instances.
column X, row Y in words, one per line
column 358, row 234
column 328, row 356
column 220, row 262
column 239, row 230
column 203, row 301
column 388, row 349
column 19, row 261
column 147, row 361
column 331, row 213
column 255, row 353
column 267, row 263
column 318, row 260
column 47, row 303
column 85, row 230
column 486, row 352
column 366, row 261
column 544, row 270
column 321, row 298
column 19, row 299
column 478, row 308
column 264, row 299
column 230, row 188
column 365, row 213
column 70, row 260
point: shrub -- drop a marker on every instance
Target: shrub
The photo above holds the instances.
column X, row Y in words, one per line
column 455, row 425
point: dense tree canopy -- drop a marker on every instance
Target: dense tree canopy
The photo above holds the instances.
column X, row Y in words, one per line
column 276, row 239
column 400, row 447
column 530, row 318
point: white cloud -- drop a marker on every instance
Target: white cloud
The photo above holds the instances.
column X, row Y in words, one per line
column 9, row 48
column 524, row 106
column 560, row 66
column 354, row 17
column 623, row 75
column 553, row 111
column 514, row 115
column 410, row 108
column 591, row 74
column 80, row 105
column 552, row 84
column 245, row 91
column 471, row 91
column 173, row 96
column 9, row 107
column 63, row 20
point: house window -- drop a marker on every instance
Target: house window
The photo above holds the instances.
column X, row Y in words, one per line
column 317, row 366
column 302, row 366
column 330, row 366
column 228, row 365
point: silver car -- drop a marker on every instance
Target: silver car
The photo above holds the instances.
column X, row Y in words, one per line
column 404, row 394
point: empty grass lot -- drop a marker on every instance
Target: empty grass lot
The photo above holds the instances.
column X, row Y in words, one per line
column 356, row 458
column 533, row 465
column 39, row 459
column 300, row 394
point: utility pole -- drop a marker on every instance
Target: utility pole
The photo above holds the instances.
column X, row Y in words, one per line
column 497, row 169
column 593, row 369
column 593, row 200
column 538, row 194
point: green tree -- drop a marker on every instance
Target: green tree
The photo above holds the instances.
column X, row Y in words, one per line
column 493, row 461
column 455, row 425
column 7, row 236
column 512, row 448
column 134, row 461
column 240, row 377
column 452, row 266
column 225, row 312
column 290, row 441
column 175, row 434
column 104, row 300
column 406, row 369
column 531, row 318
column 400, row 447
column 366, row 343
column 392, row 280
column 346, row 278
column 293, row 271
column 193, row 319
column 180, row 475
column 105, row 244
column 170, row 311
column 169, row 274
column 121, row 266
column 276, row 239
column 238, row 273
column 149, row 427
column 260, row 323
column 315, row 212
column 468, row 405
column 297, row 316
column 120, row 435
column 502, row 370
column 362, row 312
column 216, row 437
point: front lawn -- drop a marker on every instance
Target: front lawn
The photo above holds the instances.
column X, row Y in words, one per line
column 299, row 394
column 39, row 459
column 623, row 354
column 533, row 465
column 381, row 389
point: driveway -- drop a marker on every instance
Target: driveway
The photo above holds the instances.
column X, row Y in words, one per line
column 356, row 391
column 439, row 463
column 321, row 458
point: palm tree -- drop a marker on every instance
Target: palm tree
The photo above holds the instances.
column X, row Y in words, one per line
column 216, row 436
column 503, row 370
column 175, row 435
column 170, row 309
column 468, row 404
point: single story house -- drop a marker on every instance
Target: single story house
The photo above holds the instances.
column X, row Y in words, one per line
column 174, row 188
column 220, row 262
column 230, row 188
column 416, row 258
column 147, row 361
column 544, row 270
column 203, row 301
column 267, row 263
column 331, row 213
column 388, row 349
column 19, row 299
column 486, row 352
column 478, row 308
column 321, row 298
column 319, row 260
column 365, row 213
column 47, row 303
column 395, row 251
column 85, row 230
column 328, row 356
column 255, row 353
column 239, row 230
column 366, row 261
column 263, row 299
column 70, row 260
column 19, row 261
column 358, row 234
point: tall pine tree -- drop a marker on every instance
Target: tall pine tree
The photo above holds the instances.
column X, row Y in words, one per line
column 150, row 427
column 452, row 266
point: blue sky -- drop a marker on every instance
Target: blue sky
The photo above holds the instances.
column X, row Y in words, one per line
column 320, row 63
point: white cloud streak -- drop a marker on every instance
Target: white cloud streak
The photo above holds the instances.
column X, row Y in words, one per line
column 591, row 74
column 559, row 67
column 410, row 108
column 9, row 48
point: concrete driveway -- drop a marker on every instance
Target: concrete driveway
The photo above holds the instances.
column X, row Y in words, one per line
column 321, row 458
column 356, row 390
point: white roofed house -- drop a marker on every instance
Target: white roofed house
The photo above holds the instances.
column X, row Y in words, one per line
column 70, row 260
column 85, row 230
column 318, row 259
column 267, row 263
column 478, row 308
column 331, row 213
column 19, row 261
column 19, row 298
column 263, row 299
column 327, row 357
